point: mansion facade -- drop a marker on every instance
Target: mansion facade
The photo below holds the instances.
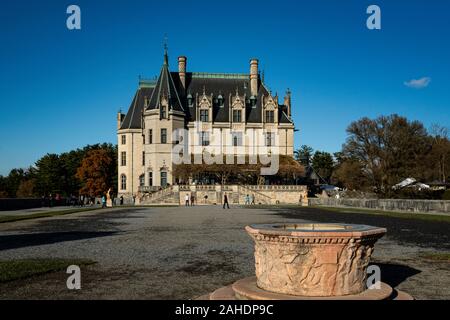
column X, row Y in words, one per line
column 227, row 113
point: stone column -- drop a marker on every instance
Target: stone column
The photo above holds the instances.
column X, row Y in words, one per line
column 254, row 77
column 182, row 70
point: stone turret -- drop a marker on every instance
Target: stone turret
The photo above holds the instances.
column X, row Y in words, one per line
column 120, row 117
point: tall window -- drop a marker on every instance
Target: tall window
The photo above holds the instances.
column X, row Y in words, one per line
column 123, row 182
column 204, row 138
column 150, row 179
column 142, row 180
column 270, row 139
column 163, row 178
column 237, row 115
column 124, row 139
column 163, row 112
column 143, row 158
column 163, row 135
column 204, row 115
column 123, row 158
column 270, row 116
column 150, row 136
column 237, row 139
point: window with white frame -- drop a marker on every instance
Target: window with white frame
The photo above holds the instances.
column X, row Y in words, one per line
column 237, row 139
column 270, row 139
column 123, row 182
column 204, row 138
column 204, row 115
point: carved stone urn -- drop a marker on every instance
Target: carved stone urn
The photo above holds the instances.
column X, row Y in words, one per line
column 316, row 260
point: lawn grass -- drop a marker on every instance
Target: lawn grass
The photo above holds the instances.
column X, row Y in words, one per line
column 394, row 214
column 46, row 214
column 11, row 270
column 437, row 256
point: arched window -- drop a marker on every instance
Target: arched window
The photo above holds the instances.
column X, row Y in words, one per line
column 142, row 180
column 123, row 182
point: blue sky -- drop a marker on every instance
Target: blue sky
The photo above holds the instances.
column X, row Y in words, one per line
column 61, row 89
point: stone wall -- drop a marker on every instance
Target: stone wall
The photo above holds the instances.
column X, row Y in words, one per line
column 432, row 206
column 213, row 194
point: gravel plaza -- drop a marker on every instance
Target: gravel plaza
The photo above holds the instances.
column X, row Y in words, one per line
column 184, row 252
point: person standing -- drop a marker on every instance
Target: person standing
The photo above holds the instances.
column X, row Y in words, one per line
column 121, row 200
column 225, row 201
column 247, row 200
column 103, row 201
column 186, row 200
column 192, row 199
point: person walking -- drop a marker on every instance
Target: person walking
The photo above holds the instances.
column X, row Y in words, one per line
column 225, row 201
column 121, row 200
column 247, row 200
column 253, row 199
column 103, row 201
column 186, row 200
column 192, row 200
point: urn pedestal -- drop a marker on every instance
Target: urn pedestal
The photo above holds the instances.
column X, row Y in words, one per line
column 310, row 261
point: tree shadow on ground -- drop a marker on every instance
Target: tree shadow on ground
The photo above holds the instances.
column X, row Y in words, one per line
column 36, row 239
column 395, row 274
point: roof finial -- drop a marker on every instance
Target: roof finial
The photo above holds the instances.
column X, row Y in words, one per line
column 166, row 58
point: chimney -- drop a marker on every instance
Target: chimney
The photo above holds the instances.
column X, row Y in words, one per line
column 182, row 70
column 287, row 102
column 120, row 117
column 254, row 77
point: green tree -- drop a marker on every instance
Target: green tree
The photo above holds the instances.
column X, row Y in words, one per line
column 49, row 175
column 304, row 155
column 323, row 163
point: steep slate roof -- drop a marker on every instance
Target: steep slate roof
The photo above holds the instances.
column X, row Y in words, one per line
column 133, row 119
column 165, row 86
column 169, row 85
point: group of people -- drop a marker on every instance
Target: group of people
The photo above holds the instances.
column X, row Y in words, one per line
column 113, row 201
column 189, row 200
column 249, row 199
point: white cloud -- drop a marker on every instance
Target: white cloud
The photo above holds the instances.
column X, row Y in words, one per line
column 418, row 83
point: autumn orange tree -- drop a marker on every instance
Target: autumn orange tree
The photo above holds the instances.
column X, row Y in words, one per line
column 96, row 172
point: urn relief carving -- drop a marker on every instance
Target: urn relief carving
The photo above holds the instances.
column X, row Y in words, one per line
column 317, row 260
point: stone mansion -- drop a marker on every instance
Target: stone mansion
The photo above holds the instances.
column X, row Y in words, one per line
column 228, row 111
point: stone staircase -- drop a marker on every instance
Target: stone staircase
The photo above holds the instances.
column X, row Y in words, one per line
column 260, row 198
column 164, row 196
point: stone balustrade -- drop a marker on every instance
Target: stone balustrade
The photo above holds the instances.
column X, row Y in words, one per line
column 407, row 205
